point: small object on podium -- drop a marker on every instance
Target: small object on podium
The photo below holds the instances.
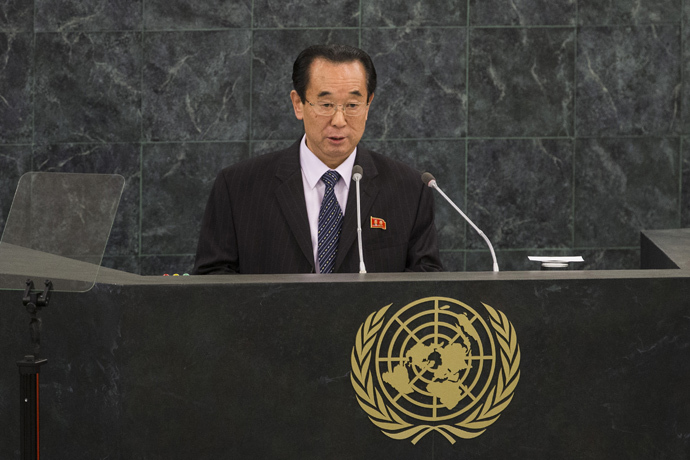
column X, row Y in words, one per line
column 555, row 262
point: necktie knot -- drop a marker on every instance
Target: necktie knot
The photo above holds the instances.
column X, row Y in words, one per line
column 330, row 178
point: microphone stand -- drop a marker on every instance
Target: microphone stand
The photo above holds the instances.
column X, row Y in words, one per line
column 431, row 182
column 357, row 176
column 29, row 370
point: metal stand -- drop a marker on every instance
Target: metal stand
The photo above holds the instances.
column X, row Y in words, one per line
column 29, row 370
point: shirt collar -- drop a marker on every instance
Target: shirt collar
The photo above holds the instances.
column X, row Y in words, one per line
column 313, row 168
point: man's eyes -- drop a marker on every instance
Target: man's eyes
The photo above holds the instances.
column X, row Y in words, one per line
column 330, row 105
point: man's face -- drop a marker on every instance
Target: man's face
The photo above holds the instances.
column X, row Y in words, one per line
column 333, row 138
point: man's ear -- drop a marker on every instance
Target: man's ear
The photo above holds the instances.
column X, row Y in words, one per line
column 297, row 105
column 371, row 98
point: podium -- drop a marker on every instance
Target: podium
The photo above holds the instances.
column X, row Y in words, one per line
column 261, row 367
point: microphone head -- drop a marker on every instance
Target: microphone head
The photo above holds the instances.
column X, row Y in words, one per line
column 427, row 178
column 357, row 172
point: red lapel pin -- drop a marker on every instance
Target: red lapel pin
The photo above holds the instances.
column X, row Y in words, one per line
column 377, row 222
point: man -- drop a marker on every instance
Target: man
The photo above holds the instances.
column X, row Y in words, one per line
column 294, row 211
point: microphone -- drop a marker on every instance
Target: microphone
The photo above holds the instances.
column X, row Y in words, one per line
column 430, row 181
column 357, row 176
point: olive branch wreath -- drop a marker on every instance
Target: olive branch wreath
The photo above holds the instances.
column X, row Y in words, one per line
column 393, row 426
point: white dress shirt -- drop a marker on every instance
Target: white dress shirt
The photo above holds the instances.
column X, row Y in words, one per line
column 314, row 188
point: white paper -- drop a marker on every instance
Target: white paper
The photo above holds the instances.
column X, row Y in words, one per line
column 565, row 259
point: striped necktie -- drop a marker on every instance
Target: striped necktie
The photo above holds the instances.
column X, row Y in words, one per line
column 330, row 223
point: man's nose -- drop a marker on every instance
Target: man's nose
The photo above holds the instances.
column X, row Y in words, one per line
column 339, row 117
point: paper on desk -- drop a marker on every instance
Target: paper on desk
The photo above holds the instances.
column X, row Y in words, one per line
column 564, row 259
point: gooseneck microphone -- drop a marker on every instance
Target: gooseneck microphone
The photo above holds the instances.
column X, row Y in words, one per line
column 357, row 176
column 429, row 180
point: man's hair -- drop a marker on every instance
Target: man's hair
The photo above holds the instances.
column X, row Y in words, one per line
column 332, row 53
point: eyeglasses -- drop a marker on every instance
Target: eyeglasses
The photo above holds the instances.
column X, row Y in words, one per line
column 328, row 109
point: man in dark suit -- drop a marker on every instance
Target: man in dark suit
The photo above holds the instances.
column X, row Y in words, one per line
column 294, row 211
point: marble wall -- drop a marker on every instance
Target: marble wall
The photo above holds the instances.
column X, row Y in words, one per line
column 561, row 126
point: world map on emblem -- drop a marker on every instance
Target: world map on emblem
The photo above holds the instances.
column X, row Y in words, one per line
column 435, row 359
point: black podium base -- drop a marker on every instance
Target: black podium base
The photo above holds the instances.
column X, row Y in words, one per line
column 29, row 370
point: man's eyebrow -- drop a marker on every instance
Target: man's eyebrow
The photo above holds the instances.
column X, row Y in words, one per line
column 328, row 93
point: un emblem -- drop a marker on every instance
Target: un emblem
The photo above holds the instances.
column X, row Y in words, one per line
column 435, row 365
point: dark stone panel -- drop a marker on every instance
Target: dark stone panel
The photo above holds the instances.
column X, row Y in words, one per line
column 522, row 12
column 685, row 92
column 665, row 249
column 274, row 53
column 527, row 88
column 396, row 13
column 177, row 180
column 15, row 160
column 306, row 13
column 623, row 186
column 446, row 161
column 88, row 87
column 16, row 78
column 196, row 85
column 421, row 88
column 481, row 261
column 82, row 365
column 17, row 16
column 685, row 185
column 183, row 14
column 628, row 80
column 453, row 261
column 170, row 265
column 520, row 192
column 262, row 147
column 610, row 259
column 122, row 159
column 129, row 264
column 628, row 12
column 87, row 15
column 167, row 370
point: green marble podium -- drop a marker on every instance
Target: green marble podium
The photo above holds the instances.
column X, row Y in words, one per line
column 259, row 367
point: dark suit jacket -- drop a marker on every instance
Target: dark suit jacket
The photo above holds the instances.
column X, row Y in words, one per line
column 256, row 219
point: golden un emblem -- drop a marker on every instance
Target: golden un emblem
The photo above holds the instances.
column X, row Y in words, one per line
column 436, row 365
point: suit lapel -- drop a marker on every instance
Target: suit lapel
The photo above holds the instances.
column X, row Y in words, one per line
column 290, row 196
column 369, row 189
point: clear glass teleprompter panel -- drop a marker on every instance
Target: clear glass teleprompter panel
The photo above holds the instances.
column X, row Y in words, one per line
column 57, row 229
